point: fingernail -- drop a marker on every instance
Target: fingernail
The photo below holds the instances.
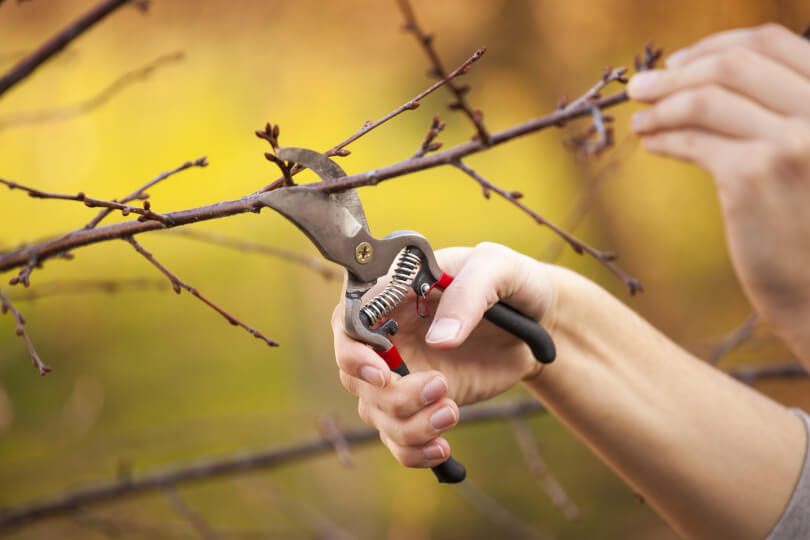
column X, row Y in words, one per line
column 373, row 376
column 638, row 121
column 443, row 330
column 434, row 389
column 642, row 84
column 676, row 58
column 443, row 418
column 433, row 451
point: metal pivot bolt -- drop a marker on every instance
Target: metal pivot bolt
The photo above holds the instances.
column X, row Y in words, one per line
column 362, row 253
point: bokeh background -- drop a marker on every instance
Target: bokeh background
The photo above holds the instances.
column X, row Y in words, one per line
column 146, row 379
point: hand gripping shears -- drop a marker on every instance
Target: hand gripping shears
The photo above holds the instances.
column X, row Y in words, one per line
column 336, row 224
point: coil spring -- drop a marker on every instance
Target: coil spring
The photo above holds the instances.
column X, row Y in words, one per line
column 380, row 306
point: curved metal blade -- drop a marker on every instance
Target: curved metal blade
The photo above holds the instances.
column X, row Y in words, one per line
column 327, row 170
column 335, row 222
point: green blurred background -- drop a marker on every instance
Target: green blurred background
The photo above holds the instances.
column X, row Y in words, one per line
column 148, row 378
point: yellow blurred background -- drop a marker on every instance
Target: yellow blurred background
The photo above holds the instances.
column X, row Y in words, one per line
column 149, row 379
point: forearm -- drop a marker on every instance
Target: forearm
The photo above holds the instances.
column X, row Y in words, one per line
column 713, row 457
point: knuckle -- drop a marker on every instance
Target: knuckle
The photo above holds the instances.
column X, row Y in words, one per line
column 795, row 147
column 488, row 248
column 364, row 412
column 764, row 35
column 400, row 405
column 728, row 65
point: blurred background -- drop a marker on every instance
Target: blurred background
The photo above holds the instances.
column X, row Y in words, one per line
column 145, row 379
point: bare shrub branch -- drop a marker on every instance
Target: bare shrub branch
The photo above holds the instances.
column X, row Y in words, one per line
column 633, row 285
column 65, row 112
column 178, row 283
column 27, row 65
column 460, row 102
column 6, row 307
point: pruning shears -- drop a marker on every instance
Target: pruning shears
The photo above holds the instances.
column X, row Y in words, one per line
column 336, row 224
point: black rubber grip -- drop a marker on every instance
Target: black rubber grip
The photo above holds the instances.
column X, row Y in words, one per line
column 451, row 471
column 527, row 329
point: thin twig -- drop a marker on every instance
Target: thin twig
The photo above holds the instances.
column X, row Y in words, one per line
column 27, row 65
column 182, row 508
column 427, row 146
column 735, row 338
column 177, row 284
column 84, row 286
column 329, row 272
column 413, row 103
column 633, row 285
column 246, row 461
column 459, row 92
column 140, row 193
column 753, row 374
column 588, row 193
column 6, row 307
column 252, row 203
column 496, row 513
column 537, row 466
column 330, row 431
column 146, row 213
column 65, row 112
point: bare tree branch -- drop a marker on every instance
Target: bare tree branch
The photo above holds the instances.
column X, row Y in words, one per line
column 65, row 112
column 27, row 65
column 140, row 193
column 735, row 338
column 537, row 466
column 177, row 284
column 587, row 194
column 91, row 202
column 187, row 513
column 496, row 513
column 460, row 102
column 83, row 286
column 330, row 431
column 436, row 127
column 633, row 285
column 753, row 374
column 413, row 103
column 244, row 462
column 6, row 307
column 251, row 203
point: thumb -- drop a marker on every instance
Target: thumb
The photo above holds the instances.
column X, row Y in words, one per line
column 491, row 273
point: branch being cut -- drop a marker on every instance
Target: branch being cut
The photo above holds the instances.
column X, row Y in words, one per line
column 460, row 103
column 27, row 65
column 6, row 307
column 58, row 114
column 413, row 103
column 177, row 284
column 633, row 285
column 252, row 203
